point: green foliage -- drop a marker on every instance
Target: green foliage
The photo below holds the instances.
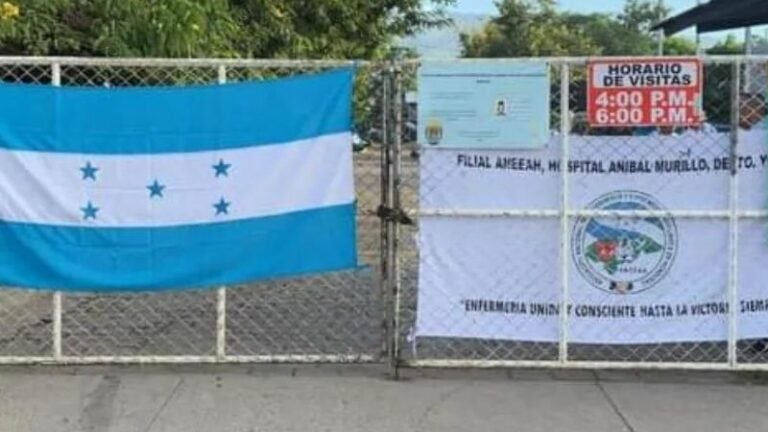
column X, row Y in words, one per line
column 215, row 28
column 610, row 36
column 730, row 45
column 169, row 28
column 641, row 15
column 718, row 79
column 330, row 28
column 40, row 28
column 526, row 28
column 679, row 46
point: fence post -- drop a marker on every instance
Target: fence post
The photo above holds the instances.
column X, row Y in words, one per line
column 397, row 140
column 221, row 292
column 733, row 237
column 384, row 223
column 565, row 129
column 57, row 296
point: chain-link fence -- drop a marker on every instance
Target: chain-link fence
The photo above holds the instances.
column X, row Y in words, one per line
column 371, row 314
column 337, row 317
column 521, row 280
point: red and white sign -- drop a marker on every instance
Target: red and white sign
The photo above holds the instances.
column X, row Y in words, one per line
column 645, row 92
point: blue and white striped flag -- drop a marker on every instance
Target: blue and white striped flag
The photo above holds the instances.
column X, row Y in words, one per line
column 153, row 188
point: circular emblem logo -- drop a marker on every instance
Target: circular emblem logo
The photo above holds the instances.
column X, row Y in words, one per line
column 433, row 132
column 624, row 255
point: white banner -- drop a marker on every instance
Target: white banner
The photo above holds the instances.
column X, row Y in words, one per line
column 631, row 280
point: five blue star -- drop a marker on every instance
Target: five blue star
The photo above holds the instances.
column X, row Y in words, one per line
column 222, row 207
column 89, row 171
column 89, row 211
column 156, row 189
column 221, row 168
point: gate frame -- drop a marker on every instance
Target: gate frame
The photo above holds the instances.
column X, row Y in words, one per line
column 733, row 215
column 392, row 214
column 221, row 67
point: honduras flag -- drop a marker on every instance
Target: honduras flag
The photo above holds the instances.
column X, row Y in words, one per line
column 141, row 189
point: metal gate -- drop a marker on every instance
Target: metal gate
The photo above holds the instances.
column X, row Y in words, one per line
column 336, row 317
column 366, row 315
column 734, row 86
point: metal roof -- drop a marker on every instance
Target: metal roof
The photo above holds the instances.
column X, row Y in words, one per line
column 718, row 15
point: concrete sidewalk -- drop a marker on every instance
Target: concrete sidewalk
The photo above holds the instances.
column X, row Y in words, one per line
column 361, row 398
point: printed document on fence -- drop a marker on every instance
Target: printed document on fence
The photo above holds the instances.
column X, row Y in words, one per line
column 484, row 105
column 658, row 276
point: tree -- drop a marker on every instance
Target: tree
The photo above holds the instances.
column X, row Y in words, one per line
column 760, row 44
column 730, row 45
column 610, row 36
column 679, row 46
column 214, row 28
column 718, row 78
column 535, row 28
column 331, row 28
column 641, row 15
column 169, row 28
column 525, row 29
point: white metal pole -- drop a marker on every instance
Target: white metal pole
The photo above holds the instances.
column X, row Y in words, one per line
column 660, row 50
column 57, row 296
column 747, row 64
column 733, row 240
column 565, row 248
column 221, row 293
